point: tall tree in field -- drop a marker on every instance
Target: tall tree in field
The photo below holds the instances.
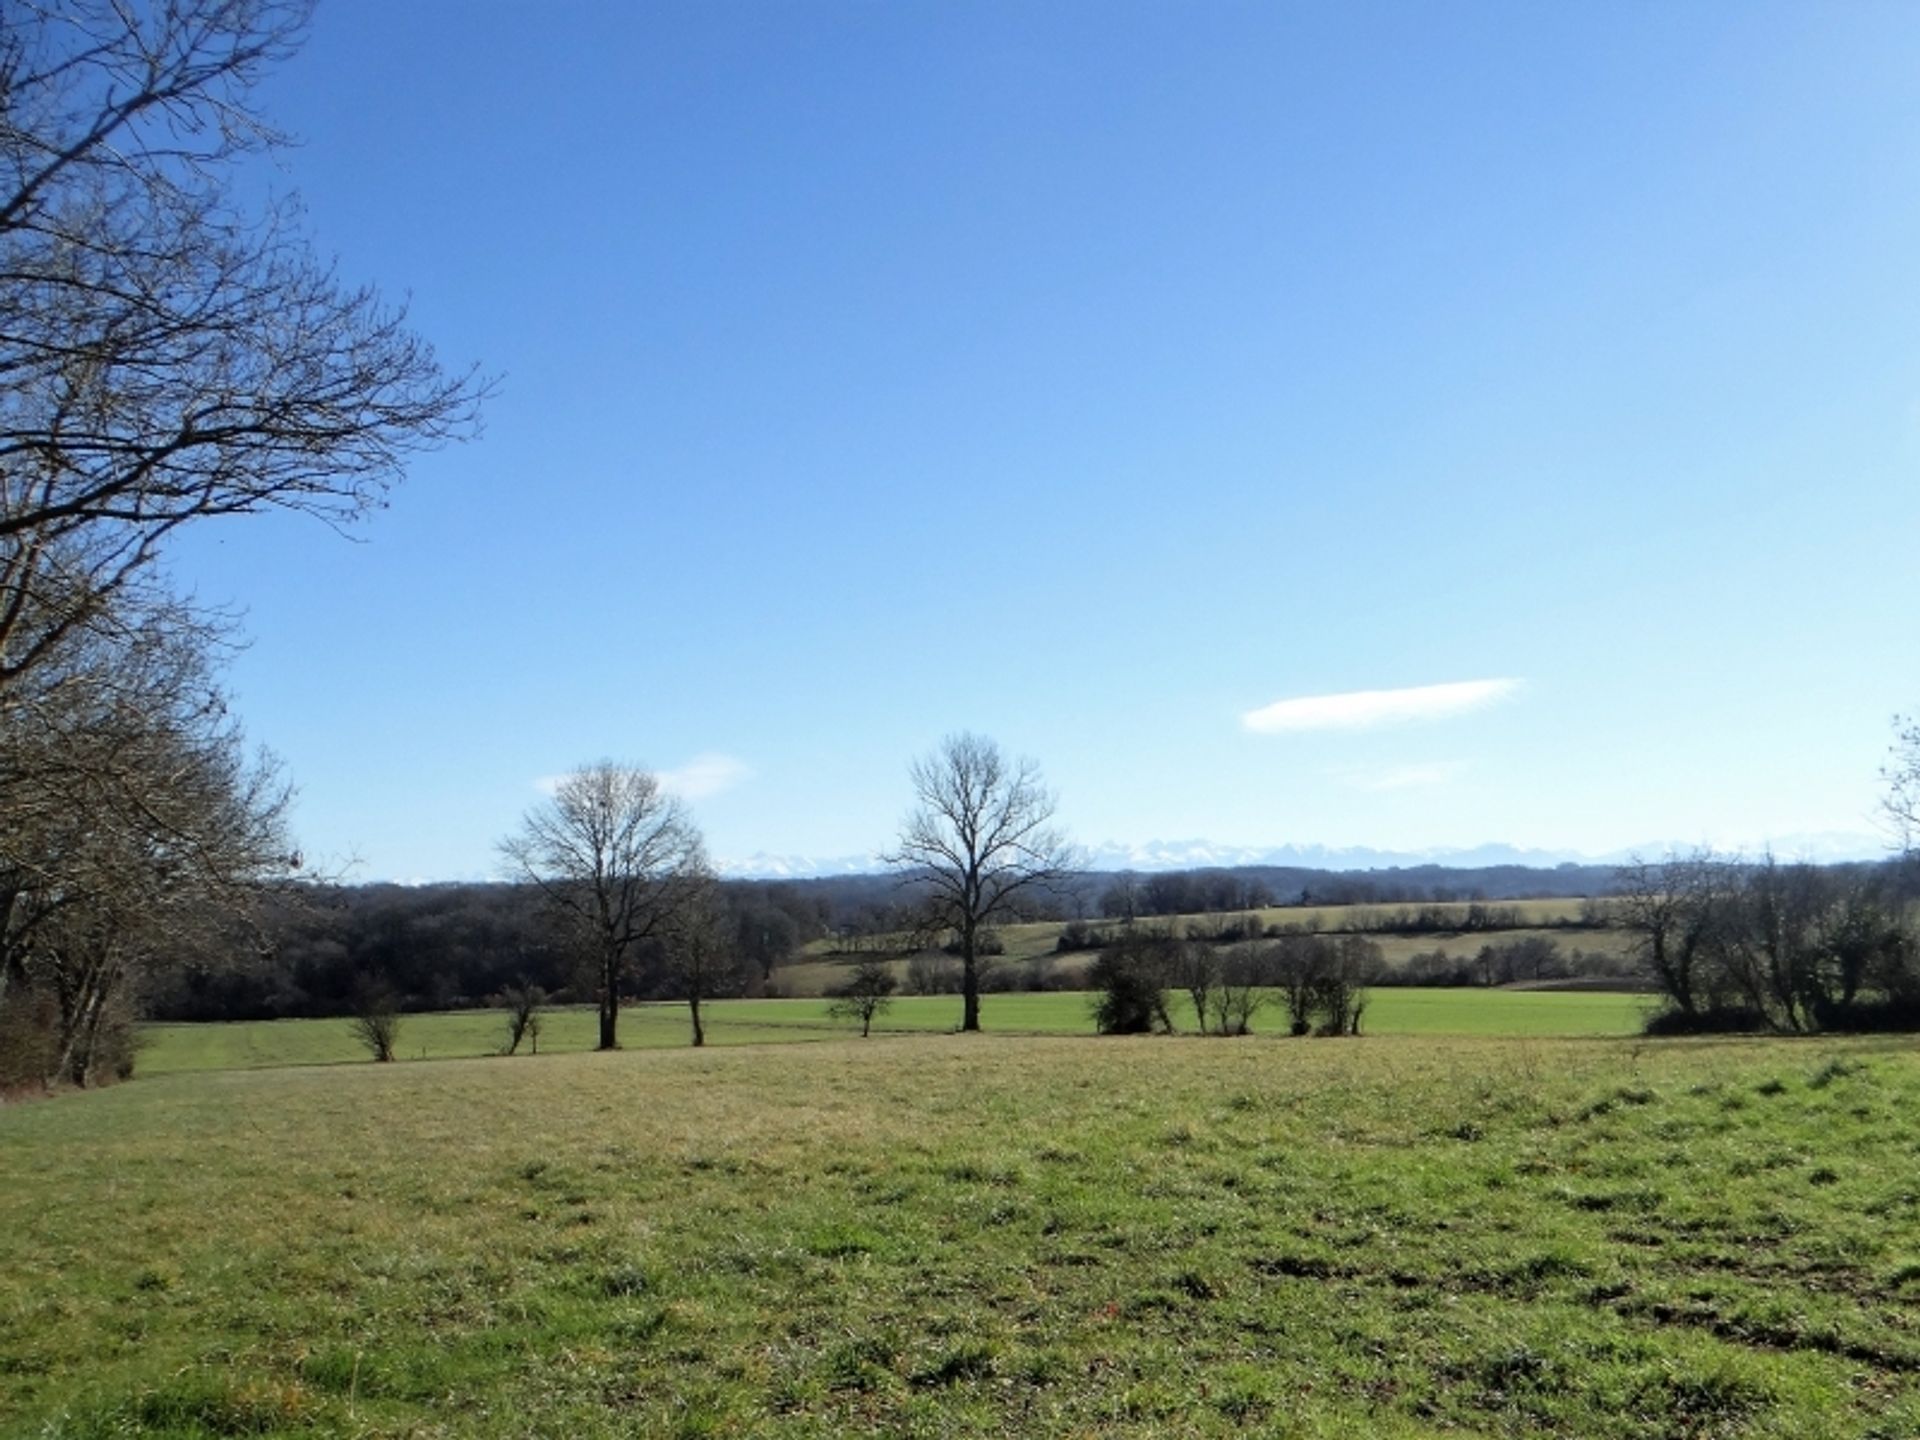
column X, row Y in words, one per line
column 619, row 862
column 701, row 960
column 980, row 840
column 170, row 349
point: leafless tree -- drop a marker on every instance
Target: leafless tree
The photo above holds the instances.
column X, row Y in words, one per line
column 700, row 954
column 1295, row 963
column 867, row 992
column 376, row 1019
column 523, row 1001
column 169, row 351
column 618, row 860
column 1241, row 989
column 1678, row 913
column 132, row 820
column 980, row 840
column 1901, row 803
column 1192, row 966
column 1322, row 980
column 1340, row 996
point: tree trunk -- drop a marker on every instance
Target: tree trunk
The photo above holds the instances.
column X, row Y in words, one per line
column 969, row 981
column 699, row 1035
column 610, row 1004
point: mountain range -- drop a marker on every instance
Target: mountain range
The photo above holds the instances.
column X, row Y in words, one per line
column 1823, row 847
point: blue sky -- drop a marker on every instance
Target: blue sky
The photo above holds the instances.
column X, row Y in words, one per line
column 1095, row 376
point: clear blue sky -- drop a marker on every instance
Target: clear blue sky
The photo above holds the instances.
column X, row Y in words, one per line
column 1095, row 375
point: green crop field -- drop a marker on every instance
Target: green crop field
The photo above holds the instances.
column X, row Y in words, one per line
column 168, row 1049
column 995, row 1235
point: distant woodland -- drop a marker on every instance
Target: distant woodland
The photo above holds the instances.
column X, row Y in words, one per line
column 309, row 948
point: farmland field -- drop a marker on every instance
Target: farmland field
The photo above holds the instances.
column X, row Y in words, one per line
column 821, row 965
column 990, row 1235
column 168, row 1049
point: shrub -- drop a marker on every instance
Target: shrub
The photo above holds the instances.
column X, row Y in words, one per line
column 931, row 974
column 1130, row 987
column 376, row 1019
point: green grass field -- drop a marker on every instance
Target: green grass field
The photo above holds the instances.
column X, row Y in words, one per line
column 1398, row 1236
column 1027, row 939
column 168, row 1049
column 821, row 967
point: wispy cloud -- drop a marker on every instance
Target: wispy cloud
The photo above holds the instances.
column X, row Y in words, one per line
column 704, row 775
column 1404, row 777
column 1364, row 709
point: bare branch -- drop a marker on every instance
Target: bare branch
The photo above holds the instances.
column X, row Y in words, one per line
column 980, row 838
column 619, row 861
column 166, row 353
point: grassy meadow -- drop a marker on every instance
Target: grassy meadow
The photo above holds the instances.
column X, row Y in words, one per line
column 980, row 1235
column 169, row 1049
column 820, row 965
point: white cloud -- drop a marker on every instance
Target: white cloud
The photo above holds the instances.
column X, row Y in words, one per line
column 1405, row 777
column 704, row 775
column 1364, row 709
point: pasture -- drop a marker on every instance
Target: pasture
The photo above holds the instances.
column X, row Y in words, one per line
column 1400, row 1236
column 822, row 964
column 168, row 1049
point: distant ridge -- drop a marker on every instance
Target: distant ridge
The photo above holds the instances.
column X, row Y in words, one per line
column 1823, row 847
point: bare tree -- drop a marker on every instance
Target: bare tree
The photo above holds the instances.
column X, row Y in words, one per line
column 1240, row 992
column 980, row 840
column 867, row 993
column 701, row 958
column 1295, row 964
column 1678, row 911
column 169, row 351
column 523, row 1001
column 1193, row 966
column 376, row 1019
column 133, row 822
column 618, row 860
column 1322, row 981
column 1901, row 803
column 1340, row 995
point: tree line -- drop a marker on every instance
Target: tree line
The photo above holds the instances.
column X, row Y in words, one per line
column 437, row 947
column 1733, row 944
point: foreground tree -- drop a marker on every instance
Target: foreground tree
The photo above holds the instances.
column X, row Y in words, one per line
column 133, row 826
column 168, row 350
column 980, row 841
column 618, row 862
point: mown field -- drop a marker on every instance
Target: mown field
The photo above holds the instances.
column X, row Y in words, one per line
column 988, row 1235
column 168, row 1049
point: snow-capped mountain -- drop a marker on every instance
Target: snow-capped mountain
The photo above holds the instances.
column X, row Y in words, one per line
column 1822, row 847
